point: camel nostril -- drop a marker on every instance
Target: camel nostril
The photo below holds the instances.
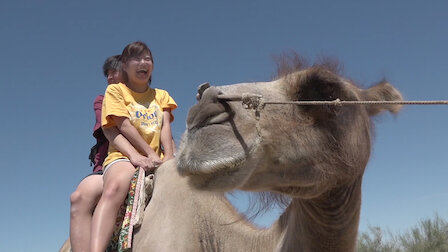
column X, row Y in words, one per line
column 201, row 89
column 209, row 94
column 208, row 110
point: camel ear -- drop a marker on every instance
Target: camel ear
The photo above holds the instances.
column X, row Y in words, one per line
column 383, row 91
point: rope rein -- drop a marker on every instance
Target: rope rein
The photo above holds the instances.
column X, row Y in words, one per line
column 254, row 101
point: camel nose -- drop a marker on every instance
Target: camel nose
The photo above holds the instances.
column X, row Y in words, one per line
column 207, row 107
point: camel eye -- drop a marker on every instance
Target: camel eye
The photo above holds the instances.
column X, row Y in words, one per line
column 201, row 90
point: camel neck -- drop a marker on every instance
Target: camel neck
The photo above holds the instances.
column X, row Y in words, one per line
column 328, row 223
column 226, row 230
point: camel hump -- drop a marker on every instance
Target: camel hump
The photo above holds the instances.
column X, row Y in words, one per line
column 383, row 91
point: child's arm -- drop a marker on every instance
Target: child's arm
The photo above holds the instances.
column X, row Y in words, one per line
column 166, row 138
column 125, row 147
column 128, row 130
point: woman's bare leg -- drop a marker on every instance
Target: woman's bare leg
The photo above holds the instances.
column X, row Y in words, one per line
column 83, row 201
column 116, row 186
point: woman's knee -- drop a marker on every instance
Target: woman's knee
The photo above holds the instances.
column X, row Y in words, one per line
column 75, row 198
column 88, row 191
column 114, row 190
column 83, row 200
column 79, row 203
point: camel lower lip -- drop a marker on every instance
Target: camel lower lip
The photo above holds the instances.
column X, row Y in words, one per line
column 205, row 167
column 220, row 118
column 199, row 163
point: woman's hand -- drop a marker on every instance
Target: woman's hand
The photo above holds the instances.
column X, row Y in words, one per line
column 155, row 161
column 146, row 163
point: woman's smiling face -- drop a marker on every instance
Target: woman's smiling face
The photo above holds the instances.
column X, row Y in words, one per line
column 139, row 68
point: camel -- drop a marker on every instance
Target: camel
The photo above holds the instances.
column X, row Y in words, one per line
column 316, row 155
column 313, row 155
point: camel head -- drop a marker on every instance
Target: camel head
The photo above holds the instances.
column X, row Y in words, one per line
column 300, row 151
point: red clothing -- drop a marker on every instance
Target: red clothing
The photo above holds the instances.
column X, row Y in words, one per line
column 99, row 135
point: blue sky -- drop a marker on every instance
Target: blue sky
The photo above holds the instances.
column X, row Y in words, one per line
column 52, row 53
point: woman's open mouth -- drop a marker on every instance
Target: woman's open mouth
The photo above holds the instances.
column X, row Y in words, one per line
column 142, row 71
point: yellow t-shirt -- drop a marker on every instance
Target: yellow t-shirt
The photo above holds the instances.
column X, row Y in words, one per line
column 144, row 110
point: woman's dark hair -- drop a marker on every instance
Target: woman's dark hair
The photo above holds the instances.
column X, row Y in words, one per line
column 111, row 63
column 135, row 49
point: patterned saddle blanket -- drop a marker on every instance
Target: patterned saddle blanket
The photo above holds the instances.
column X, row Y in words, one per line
column 130, row 215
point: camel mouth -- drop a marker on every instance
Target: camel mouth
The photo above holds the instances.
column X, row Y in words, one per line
column 213, row 152
column 224, row 155
column 216, row 167
column 195, row 167
column 212, row 174
column 218, row 119
column 214, row 179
